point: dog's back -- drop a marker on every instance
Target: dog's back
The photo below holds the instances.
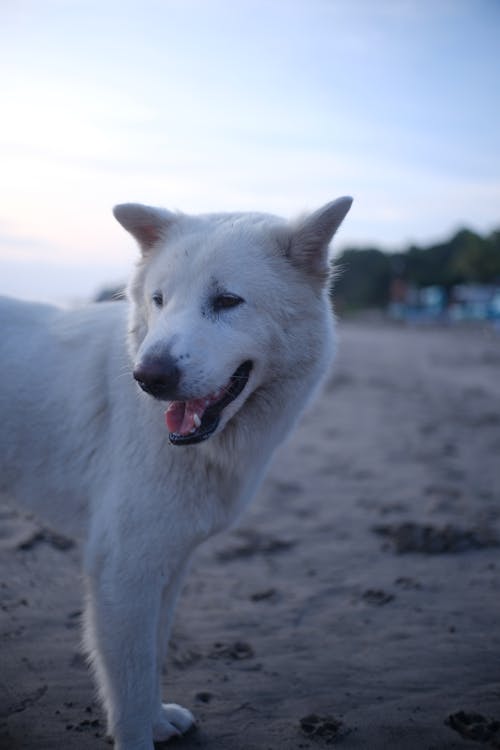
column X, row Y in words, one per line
column 54, row 401
column 25, row 350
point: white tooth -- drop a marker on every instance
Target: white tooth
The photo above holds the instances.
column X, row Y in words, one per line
column 196, row 420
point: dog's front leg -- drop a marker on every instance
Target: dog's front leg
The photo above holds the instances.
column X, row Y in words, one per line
column 170, row 719
column 120, row 635
column 123, row 618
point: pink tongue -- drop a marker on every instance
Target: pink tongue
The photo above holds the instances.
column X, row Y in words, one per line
column 180, row 415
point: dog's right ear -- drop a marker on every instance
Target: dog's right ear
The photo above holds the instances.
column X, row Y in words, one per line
column 311, row 236
column 147, row 224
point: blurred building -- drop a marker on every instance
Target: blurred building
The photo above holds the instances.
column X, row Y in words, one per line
column 462, row 302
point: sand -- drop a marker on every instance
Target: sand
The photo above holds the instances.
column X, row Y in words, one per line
column 357, row 603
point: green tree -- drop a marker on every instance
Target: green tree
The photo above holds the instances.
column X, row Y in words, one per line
column 361, row 279
column 363, row 276
column 478, row 259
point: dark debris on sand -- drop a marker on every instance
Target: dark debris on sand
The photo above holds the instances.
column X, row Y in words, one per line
column 434, row 540
column 324, row 728
column 251, row 542
column 46, row 536
column 238, row 650
column 473, row 726
column 377, row 597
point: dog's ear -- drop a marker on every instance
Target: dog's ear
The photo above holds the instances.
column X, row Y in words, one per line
column 308, row 247
column 147, row 224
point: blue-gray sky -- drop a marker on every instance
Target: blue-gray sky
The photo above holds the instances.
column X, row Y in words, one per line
column 277, row 105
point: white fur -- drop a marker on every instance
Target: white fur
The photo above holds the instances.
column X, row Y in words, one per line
column 85, row 448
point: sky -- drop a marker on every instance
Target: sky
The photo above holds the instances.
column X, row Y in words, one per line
column 210, row 105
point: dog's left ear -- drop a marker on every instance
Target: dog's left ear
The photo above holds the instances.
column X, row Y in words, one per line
column 310, row 238
column 147, row 224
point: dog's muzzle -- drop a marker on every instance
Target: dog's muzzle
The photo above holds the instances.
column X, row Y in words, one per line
column 193, row 421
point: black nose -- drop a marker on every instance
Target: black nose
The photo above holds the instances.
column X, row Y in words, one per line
column 159, row 376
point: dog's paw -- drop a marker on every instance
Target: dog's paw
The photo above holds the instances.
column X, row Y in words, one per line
column 172, row 722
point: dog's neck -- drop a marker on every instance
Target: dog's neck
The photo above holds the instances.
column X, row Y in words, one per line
column 240, row 454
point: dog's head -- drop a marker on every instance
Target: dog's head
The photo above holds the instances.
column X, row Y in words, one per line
column 225, row 306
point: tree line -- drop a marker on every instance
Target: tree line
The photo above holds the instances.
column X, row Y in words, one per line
column 363, row 277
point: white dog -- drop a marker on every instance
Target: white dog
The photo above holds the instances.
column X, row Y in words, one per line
column 229, row 325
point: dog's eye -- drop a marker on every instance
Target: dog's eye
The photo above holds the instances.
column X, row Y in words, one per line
column 157, row 299
column 226, row 301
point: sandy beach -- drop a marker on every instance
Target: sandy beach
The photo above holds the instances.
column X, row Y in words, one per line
column 358, row 601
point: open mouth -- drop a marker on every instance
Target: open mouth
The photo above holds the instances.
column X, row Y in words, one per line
column 191, row 422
